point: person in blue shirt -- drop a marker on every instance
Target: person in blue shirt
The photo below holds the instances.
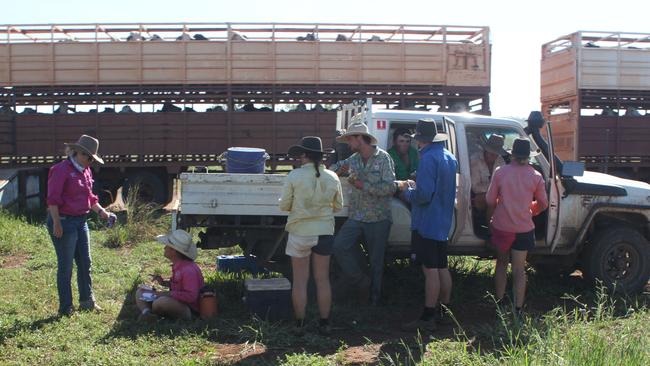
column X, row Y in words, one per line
column 432, row 209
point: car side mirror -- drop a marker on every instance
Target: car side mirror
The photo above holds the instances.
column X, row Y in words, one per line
column 573, row 169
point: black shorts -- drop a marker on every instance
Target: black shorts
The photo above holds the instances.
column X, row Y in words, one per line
column 428, row 252
column 324, row 246
column 524, row 241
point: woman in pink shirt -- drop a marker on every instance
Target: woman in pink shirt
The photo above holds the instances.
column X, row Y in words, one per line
column 70, row 198
column 184, row 285
column 516, row 194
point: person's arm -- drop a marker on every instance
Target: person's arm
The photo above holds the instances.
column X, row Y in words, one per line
column 160, row 280
column 94, row 200
column 540, row 202
column 99, row 210
column 55, row 182
column 492, row 195
column 286, row 200
column 386, row 184
column 338, row 198
column 190, row 284
column 475, row 174
column 57, row 229
column 423, row 192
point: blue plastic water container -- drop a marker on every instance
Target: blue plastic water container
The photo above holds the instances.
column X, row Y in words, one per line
column 249, row 160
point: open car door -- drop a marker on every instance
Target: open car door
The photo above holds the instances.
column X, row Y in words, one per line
column 553, row 192
column 449, row 127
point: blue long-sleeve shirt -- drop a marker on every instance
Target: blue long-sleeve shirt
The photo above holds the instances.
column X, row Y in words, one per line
column 432, row 201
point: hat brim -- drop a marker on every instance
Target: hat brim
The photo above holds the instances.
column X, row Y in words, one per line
column 439, row 137
column 531, row 155
column 344, row 136
column 297, row 150
column 79, row 147
column 492, row 150
column 166, row 240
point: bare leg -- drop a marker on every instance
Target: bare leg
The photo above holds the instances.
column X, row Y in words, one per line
column 431, row 287
column 300, row 267
column 323, row 289
column 168, row 306
column 500, row 274
column 519, row 276
column 139, row 303
column 445, row 285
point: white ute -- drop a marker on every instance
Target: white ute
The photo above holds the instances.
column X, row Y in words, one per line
column 596, row 222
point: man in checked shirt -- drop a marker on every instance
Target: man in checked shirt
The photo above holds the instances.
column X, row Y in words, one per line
column 372, row 176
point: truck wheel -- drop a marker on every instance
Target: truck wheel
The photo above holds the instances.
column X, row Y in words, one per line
column 150, row 187
column 620, row 257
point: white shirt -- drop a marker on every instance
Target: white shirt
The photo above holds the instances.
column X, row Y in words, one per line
column 480, row 172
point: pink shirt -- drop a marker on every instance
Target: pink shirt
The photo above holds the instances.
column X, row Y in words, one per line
column 513, row 190
column 70, row 189
column 186, row 282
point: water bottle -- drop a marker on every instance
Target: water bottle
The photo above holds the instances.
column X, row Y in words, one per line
column 111, row 220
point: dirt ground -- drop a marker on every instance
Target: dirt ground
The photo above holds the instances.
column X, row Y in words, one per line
column 13, row 261
column 363, row 334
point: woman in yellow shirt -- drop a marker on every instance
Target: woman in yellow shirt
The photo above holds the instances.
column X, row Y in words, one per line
column 311, row 194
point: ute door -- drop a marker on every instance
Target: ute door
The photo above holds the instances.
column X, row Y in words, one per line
column 553, row 192
column 449, row 127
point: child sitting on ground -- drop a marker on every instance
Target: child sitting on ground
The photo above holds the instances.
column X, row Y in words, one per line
column 184, row 285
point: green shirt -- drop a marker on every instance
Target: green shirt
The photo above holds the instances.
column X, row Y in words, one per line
column 403, row 172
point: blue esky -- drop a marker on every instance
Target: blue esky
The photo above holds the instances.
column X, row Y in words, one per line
column 518, row 28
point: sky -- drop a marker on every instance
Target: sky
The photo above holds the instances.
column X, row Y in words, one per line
column 518, row 28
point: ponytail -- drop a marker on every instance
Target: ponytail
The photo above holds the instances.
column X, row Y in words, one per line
column 315, row 158
column 316, row 164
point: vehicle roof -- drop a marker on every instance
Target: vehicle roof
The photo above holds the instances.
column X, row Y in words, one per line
column 465, row 118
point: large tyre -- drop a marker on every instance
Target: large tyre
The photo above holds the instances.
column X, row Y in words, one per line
column 151, row 187
column 620, row 258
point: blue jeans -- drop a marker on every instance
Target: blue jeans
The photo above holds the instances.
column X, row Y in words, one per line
column 347, row 251
column 73, row 245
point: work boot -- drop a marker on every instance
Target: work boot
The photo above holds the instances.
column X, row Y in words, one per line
column 298, row 329
column 324, row 327
column 443, row 315
column 90, row 306
column 67, row 312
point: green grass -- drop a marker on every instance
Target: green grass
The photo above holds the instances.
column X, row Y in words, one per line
column 569, row 324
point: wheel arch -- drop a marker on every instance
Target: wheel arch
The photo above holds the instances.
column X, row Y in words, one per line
column 607, row 214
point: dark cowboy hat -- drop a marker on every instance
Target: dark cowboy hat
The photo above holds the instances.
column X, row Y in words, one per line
column 535, row 119
column 426, row 131
column 89, row 145
column 494, row 144
column 521, row 149
column 309, row 144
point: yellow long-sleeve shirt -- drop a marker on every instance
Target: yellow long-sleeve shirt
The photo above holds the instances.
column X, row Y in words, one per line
column 311, row 201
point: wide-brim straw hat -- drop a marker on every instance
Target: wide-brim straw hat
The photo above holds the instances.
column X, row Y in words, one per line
column 181, row 241
column 89, row 145
column 309, row 144
column 357, row 129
